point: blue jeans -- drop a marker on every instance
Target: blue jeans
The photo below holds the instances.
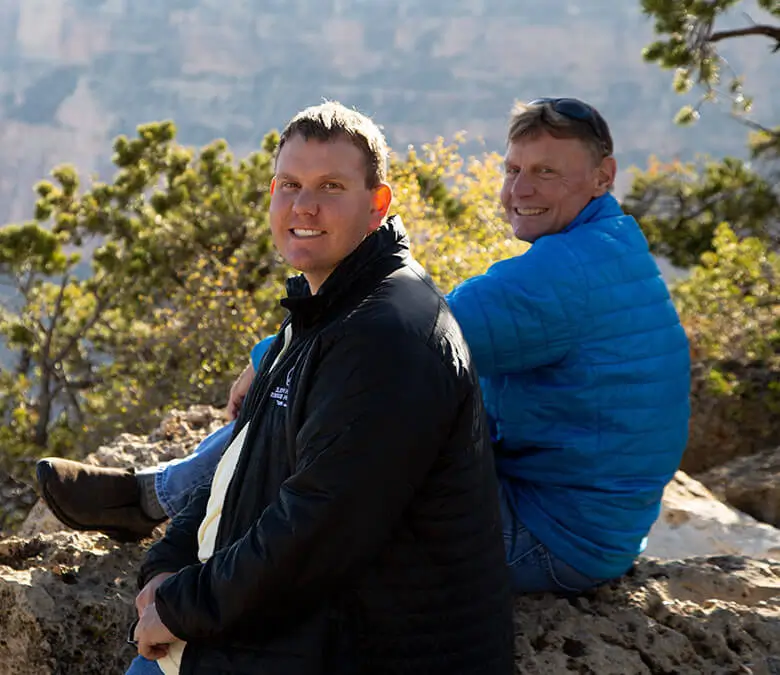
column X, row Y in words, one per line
column 532, row 568
column 175, row 480
column 142, row 666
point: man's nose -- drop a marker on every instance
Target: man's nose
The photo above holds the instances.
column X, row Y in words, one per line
column 306, row 203
column 522, row 186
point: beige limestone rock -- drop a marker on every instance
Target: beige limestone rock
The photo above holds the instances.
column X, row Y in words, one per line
column 750, row 484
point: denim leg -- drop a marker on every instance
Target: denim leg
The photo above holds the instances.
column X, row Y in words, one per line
column 532, row 568
column 175, row 480
column 142, row 666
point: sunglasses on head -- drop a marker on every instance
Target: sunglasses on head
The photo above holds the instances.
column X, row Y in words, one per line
column 577, row 110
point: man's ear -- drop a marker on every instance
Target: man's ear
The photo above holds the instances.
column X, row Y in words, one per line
column 273, row 185
column 381, row 198
column 605, row 176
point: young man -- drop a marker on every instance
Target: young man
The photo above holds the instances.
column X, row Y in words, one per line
column 352, row 524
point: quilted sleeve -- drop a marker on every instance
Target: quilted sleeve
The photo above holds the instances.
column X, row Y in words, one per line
column 524, row 312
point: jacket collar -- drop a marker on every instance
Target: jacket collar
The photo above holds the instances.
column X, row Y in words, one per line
column 388, row 241
column 599, row 208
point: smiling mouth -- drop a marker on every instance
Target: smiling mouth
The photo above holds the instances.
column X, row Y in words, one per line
column 302, row 233
column 529, row 212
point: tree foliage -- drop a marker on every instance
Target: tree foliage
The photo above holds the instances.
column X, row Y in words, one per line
column 689, row 35
column 177, row 249
column 450, row 207
column 731, row 305
column 148, row 292
column 680, row 205
column 721, row 219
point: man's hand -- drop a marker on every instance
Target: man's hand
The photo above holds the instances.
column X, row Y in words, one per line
column 238, row 392
column 146, row 596
column 152, row 635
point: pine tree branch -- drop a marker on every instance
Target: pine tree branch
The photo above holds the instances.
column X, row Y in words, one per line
column 772, row 32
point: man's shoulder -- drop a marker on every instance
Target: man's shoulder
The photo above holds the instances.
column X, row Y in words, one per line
column 406, row 311
column 550, row 261
column 611, row 236
column 406, row 300
column 613, row 251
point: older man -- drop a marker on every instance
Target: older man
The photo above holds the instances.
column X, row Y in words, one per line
column 583, row 362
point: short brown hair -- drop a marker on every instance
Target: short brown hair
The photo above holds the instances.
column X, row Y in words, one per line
column 529, row 120
column 331, row 120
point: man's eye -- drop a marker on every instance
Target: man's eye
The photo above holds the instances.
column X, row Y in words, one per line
column 511, row 170
column 289, row 185
column 332, row 186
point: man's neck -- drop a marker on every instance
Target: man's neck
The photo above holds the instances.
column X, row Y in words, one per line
column 316, row 279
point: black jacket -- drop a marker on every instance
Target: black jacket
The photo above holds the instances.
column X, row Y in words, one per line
column 361, row 531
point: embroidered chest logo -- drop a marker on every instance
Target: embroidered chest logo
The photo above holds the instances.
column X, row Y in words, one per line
column 281, row 393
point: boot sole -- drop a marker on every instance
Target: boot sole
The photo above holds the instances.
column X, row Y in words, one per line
column 124, row 536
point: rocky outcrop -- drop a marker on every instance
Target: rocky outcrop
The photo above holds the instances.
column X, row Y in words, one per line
column 178, row 434
column 66, row 598
column 66, row 601
column 694, row 617
column 750, row 484
column 694, row 522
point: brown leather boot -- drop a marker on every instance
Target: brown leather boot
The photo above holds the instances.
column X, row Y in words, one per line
column 94, row 498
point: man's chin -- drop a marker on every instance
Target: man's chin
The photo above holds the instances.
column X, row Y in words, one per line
column 524, row 234
column 531, row 232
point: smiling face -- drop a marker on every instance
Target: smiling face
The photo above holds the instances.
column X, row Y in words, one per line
column 321, row 208
column 548, row 181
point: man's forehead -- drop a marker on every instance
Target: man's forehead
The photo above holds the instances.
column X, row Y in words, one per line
column 542, row 147
column 338, row 155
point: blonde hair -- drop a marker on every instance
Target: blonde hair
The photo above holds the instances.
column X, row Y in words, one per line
column 530, row 120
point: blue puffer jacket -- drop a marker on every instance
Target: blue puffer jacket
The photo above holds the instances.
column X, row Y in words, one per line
column 586, row 375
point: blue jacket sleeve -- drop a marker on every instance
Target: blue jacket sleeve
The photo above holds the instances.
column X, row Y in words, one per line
column 524, row 312
column 259, row 350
